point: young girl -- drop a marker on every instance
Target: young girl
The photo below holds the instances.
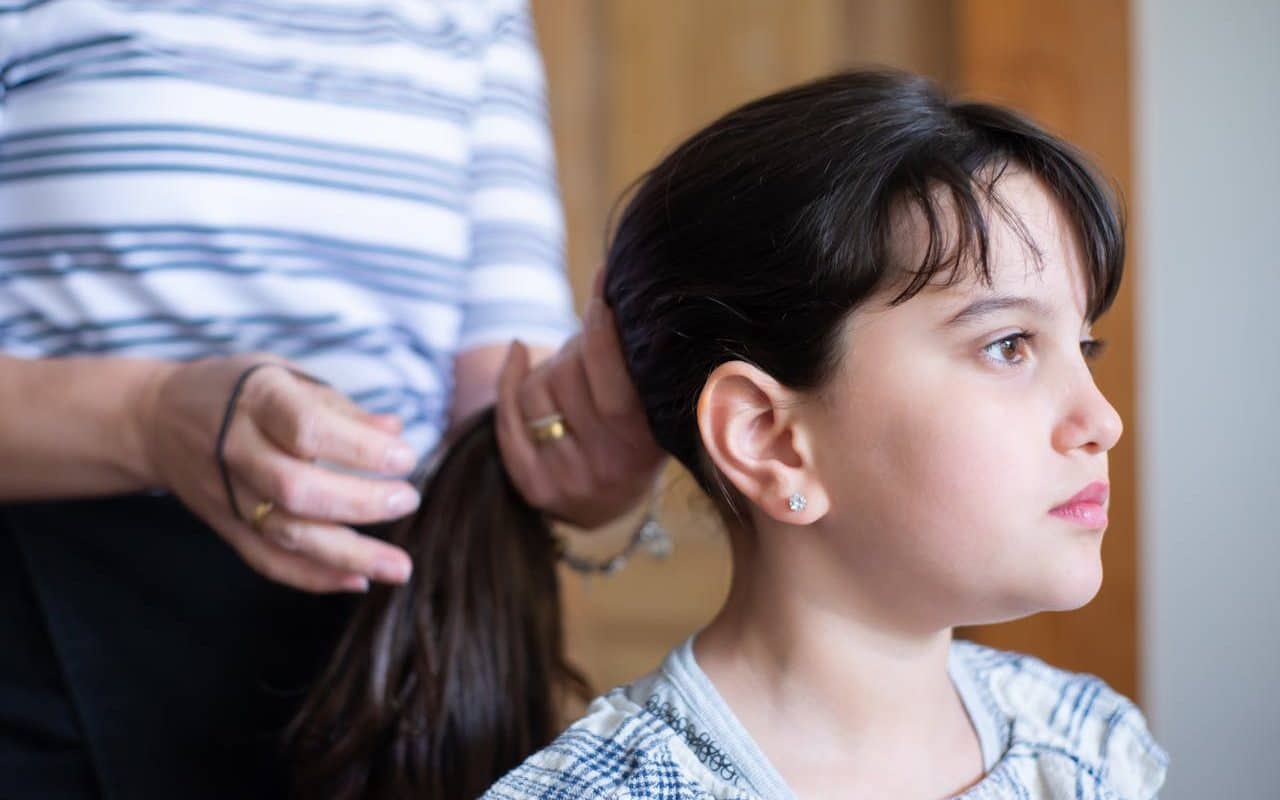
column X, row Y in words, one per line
column 859, row 313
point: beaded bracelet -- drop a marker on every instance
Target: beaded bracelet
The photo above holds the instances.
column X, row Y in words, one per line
column 649, row 535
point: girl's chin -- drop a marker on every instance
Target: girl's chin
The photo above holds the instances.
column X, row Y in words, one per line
column 1066, row 588
column 1074, row 585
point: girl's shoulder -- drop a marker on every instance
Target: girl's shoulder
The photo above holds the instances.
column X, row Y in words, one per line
column 618, row 749
column 1076, row 718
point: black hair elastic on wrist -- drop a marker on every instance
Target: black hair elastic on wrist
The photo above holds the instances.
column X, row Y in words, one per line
column 229, row 413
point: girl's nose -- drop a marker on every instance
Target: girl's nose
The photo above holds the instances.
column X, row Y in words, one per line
column 1091, row 422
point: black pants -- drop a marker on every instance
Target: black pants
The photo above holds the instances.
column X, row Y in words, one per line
column 140, row 658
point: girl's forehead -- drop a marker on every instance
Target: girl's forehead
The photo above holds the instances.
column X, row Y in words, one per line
column 1033, row 251
column 1050, row 285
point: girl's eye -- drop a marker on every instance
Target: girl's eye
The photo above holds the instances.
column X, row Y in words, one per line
column 1093, row 349
column 1006, row 351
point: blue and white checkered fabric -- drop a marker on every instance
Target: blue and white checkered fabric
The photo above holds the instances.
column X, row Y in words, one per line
column 1048, row 734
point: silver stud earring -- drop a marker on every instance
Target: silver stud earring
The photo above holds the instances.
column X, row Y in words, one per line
column 797, row 502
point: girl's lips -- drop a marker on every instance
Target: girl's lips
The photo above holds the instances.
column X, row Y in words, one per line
column 1089, row 515
column 1087, row 507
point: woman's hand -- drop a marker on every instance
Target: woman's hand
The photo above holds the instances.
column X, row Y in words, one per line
column 282, row 427
column 608, row 459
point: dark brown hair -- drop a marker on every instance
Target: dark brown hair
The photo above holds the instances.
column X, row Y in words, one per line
column 440, row 686
column 754, row 240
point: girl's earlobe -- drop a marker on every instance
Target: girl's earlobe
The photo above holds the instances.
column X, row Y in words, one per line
column 802, row 508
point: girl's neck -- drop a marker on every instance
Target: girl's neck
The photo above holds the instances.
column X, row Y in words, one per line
column 826, row 688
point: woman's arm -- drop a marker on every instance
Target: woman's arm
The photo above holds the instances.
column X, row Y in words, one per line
column 74, row 427
column 70, row 427
column 475, row 377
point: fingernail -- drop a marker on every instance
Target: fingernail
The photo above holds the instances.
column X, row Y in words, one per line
column 403, row 501
column 389, row 571
column 356, row 583
column 401, row 459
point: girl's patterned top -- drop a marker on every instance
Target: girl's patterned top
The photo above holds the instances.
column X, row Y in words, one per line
column 1046, row 734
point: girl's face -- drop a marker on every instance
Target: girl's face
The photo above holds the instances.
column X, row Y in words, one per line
column 963, row 417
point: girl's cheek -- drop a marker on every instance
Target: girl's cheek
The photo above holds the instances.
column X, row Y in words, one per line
column 981, row 462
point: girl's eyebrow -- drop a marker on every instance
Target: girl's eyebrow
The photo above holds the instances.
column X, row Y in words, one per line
column 999, row 302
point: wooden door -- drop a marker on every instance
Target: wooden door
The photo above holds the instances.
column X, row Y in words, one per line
column 1066, row 63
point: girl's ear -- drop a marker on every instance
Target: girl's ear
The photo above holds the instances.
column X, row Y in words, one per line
column 753, row 433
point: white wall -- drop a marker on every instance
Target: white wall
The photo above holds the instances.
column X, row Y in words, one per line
column 1208, row 245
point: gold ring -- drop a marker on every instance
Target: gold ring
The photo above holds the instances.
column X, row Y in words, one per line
column 260, row 512
column 548, row 428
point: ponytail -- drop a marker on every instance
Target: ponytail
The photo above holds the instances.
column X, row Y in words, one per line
column 440, row 686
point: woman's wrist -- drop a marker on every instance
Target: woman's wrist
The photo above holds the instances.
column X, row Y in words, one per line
column 142, row 414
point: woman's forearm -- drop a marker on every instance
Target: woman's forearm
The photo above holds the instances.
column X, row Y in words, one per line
column 475, row 377
column 73, row 427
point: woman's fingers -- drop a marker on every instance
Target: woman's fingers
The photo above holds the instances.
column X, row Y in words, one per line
column 589, row 475
column 607, row 457
column 340, row 548
column 314, row 492
column 519, row 453
column 345, row 405
column 184, row 412
column 337, row 547
column 612, row 391
column 561, row 459
column 282, row 566
column 309, row 428
column 303, row 541
column 602, row 452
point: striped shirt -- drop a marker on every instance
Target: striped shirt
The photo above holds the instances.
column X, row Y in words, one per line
column 365, row 188
column 1045, row 734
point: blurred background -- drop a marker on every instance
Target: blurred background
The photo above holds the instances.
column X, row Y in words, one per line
column 1176, row 101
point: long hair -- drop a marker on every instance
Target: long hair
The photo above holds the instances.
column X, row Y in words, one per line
column 441, row 685
column 753, row 240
